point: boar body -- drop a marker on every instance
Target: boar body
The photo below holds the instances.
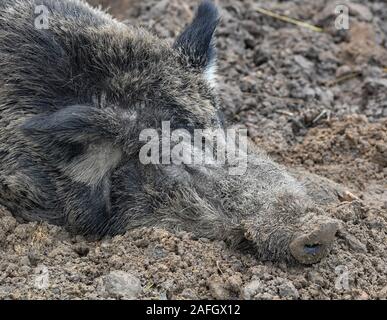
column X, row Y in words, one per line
column 74, row 98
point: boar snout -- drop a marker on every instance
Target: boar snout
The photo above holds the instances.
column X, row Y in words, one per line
column 311, row 246
column 296, row 231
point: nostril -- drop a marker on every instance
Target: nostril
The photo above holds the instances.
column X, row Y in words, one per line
column 312, row 248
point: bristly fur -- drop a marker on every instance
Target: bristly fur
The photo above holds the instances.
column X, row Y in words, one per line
column 73, row 101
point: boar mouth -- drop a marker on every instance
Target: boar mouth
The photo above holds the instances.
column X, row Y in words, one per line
column 311, row 247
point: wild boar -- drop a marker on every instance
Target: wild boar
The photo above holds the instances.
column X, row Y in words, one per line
column 77, row 89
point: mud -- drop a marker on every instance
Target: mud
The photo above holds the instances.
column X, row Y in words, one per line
column 315, row 101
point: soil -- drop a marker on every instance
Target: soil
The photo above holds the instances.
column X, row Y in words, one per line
column 315, row 101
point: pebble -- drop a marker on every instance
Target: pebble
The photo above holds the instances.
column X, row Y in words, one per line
column 309, row 93
column 235, row 283
column 251, row 289
column 288, row 290
column 303, row 62
column 42, row 278
column 343, row 71
column 326, row 96
column 120, row 284
column 218, row 290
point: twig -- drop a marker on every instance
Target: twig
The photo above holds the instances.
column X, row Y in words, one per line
column 148, row 287
column 218, row 266
column 284, row 112
column 289, row 20
column 319, row 116
column 326, row 113
column 344, row 78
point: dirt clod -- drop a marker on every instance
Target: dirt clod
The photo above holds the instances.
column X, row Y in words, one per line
column 120, row 284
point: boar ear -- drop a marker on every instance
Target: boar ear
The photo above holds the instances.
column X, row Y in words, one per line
column 80, row 140
column 72, row 124
column 196, row 42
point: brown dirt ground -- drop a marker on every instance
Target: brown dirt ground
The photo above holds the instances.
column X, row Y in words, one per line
column 317, row 102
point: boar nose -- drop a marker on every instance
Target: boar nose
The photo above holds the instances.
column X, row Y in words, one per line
column 311, row 247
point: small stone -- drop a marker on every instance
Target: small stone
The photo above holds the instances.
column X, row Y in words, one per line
column 288, row 290
column 218, row 290
column 309, row 162
column 348, row 196
column 251, row 289
column 303, row 62
column 309, row 93
column 326, row 96
column 158, row 252
column 42, row 278
column 123, row 285
column 235, row 283
column 343, row 71
column 163, row 296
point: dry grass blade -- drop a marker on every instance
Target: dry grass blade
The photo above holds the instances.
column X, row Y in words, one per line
column 289, row 20
column 344, row 78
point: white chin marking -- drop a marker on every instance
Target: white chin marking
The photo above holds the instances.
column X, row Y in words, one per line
column 210, row 75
